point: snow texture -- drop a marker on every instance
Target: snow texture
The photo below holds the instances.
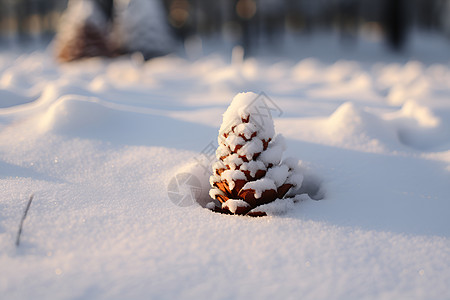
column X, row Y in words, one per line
column 97, row 143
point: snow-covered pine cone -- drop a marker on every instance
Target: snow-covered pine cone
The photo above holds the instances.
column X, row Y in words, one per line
column 249, row 171
column 84, row 32
column 141, row 26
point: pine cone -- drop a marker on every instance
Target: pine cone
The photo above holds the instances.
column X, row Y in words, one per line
column 249, row 171
column 87, row 42
column 84, row 32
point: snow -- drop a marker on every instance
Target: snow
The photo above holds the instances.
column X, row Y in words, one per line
column 214, row 192
column 274, row 152
column 233, row 141
column 245, row 129
column 280, row 206
column 98, row 141
column 219, row 164
column 234, row 204
column 253, row 166
column 260, row 185
column 295, row 178
column 214, row 178
column 233, row 161
column 231, row 175
column 222, row 150
column 251, row 148
column 278, row 174
column 243, row 106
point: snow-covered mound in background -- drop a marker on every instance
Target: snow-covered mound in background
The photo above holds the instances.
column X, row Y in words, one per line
column 98, row 143
column 141, row 25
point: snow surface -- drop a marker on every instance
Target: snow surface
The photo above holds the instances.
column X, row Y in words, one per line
column 98, row 141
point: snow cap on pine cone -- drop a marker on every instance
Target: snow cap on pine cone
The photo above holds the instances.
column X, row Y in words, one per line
column 249, row 172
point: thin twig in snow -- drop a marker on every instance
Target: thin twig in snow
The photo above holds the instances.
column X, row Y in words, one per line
column 23, row 219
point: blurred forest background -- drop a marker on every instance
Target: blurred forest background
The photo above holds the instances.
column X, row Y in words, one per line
column 247, row 22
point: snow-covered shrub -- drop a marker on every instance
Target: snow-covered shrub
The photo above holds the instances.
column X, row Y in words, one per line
column 141, row 26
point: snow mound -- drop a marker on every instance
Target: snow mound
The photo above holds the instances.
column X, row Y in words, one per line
column 308, row 70
column 92, row 118
column 355, row 128
column 63, row 116
column 423, row 115
column 421, row 127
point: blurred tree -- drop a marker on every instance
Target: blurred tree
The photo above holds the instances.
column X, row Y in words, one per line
column 245, row 11
column 272, row 15
column 180, row 17
column 250, row 21
column 396, row 24
column 107, row 7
